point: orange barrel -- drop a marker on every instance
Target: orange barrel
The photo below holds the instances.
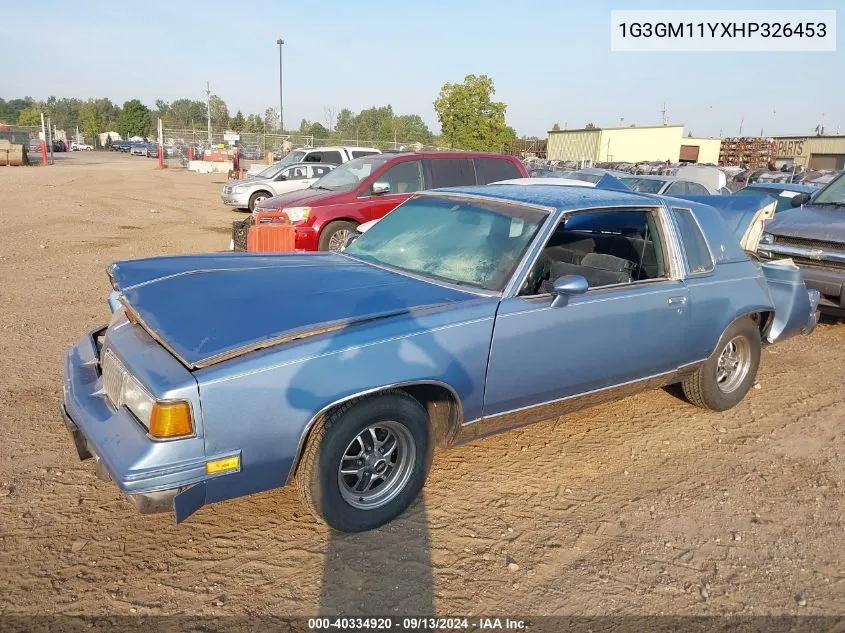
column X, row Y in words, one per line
column 271, row 233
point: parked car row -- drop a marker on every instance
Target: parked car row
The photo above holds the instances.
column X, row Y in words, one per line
column 326, row 212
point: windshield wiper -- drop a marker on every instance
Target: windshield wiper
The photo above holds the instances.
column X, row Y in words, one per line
column 826, row 204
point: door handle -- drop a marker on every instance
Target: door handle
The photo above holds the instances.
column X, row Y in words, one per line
column 677, row 301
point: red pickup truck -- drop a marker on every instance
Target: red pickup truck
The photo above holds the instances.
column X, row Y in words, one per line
column 370, row 187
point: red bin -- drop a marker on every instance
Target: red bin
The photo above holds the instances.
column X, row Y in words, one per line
column 271, row 233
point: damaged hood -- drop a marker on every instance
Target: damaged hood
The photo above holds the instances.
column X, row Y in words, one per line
column 208, row 308
column 826, row 224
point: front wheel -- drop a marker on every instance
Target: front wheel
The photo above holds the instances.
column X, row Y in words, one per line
column 724, row 378
column 366, row 463
column 257, row 198
column 334, row 236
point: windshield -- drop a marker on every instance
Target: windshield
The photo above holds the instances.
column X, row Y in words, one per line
column 644, row 185
column 348, row 176
column 272, row 170
column 290, row 158
column 578, row 175
column 833, row 193
column 476, row 243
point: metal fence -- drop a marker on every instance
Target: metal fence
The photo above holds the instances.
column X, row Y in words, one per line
column 255, row 146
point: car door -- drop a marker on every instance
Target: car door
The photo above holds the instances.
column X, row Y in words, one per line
column 404, row 178
column 677, row 188
column 614, row 339
column 290, row 179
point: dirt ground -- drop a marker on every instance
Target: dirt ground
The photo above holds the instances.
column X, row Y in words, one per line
column 645, row 506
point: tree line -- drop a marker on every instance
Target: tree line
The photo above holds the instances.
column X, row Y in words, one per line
column 468, row 116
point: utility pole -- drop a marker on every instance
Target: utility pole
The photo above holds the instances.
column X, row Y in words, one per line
column 663, row 114
column 208, row 107
column 281, row 42
column 741, row 121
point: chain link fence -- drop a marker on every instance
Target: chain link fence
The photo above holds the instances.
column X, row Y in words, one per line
column 255, row 146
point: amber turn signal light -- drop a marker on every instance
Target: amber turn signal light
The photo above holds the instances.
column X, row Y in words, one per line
column 171, row 419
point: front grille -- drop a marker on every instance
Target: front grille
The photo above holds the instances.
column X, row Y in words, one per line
column 806, row 243
column 815, row 263
column 114, row 374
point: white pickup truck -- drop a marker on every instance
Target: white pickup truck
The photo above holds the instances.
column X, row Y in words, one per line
column 335, row 155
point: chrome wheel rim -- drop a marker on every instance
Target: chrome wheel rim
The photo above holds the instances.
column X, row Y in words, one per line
column 259, row 200
column 733, row 364
column 338, row 239
column 376, row 465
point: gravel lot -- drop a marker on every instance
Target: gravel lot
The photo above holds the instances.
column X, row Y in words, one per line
column 644, row 506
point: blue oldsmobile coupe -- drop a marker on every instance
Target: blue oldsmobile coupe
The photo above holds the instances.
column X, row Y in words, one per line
column 462, row 313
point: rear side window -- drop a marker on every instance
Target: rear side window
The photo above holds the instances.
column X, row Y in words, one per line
column 698, row 254
column 332, row 157
column 494, row 169
column 357, row 153
column 697, row 190
column 451, row 172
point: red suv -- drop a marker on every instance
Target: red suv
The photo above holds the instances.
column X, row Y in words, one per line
column 370, row 187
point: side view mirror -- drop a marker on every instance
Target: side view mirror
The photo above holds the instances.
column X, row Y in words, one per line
column 801, row 198
column 380, row 188
column 567, row 286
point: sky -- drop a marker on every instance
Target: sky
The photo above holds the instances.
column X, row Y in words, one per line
column 550, row 61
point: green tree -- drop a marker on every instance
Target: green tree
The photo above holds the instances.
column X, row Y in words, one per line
column 30, row 116
column 590, row 126
column 134, row 119
column 271, row 119
column 237, row 122
column 556, row 127
column 219, row 113
column 411, row 128
column 317, row 130
column 10, row 110
column 254, row 123
column 186, row 114
column 469, row 118
column 345, row 123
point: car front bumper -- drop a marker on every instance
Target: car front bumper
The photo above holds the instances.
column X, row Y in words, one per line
column 118, row 443
column 235, row 199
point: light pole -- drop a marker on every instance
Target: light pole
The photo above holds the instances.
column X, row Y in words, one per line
column 280, row 42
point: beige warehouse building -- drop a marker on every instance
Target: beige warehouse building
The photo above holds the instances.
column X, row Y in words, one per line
column 810, row 152
column 631, row 145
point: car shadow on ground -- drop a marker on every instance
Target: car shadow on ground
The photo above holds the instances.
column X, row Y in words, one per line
column 384, row 572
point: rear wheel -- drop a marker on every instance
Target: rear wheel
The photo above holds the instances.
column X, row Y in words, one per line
column 257, row 198
column 366, row 463
column 334, row 236
column 724, row 378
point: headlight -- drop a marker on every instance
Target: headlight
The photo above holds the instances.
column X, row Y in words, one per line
column 136, row 399
column 238, row 188
column 297, row 214
column 767, row 238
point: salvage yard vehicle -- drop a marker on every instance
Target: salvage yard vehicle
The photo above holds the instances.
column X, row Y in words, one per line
column 785, row 193
column 813, row 235
column 326, row 213
column 464, row 312
column 332, row 155
column 273, row 181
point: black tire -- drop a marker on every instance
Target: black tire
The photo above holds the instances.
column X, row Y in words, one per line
column 703, row 388
column 334, row 230
column 258, row 196
column 317, row 477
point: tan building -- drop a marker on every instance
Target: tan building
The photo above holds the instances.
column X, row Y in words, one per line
column 810, row 152
column 631, row 145
column 700, row 150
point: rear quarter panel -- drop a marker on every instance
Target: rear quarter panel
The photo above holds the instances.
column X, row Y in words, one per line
column 262, row 403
